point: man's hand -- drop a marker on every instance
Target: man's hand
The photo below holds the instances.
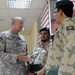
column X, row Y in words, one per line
column 42, row 71
column 30, row 59
column 46, row 47
column 24, row 58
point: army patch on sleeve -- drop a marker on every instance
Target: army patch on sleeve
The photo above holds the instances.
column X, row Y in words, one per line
column 70, row 28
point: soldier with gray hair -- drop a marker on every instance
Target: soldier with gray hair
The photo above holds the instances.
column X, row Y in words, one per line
column 62, row 54
column 13, row 50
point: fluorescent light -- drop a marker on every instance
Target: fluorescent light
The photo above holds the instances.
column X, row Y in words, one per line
column 19, row 3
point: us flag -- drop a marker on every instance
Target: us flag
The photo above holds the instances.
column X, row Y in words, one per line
column 44, row 20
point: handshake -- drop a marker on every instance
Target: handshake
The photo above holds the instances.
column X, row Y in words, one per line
column 22, row 57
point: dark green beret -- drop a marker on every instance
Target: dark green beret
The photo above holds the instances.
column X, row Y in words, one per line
column 64, row 2
column 44, row 29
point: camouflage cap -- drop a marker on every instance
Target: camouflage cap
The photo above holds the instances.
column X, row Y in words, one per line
column 44, row 29
column 64, row 2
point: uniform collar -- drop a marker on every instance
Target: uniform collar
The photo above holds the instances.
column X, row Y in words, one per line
column 14, row 35
column 66, row 19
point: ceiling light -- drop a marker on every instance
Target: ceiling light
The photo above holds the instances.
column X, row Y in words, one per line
column 18, row 3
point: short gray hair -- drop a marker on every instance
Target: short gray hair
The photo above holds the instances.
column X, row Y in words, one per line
column 17, row 18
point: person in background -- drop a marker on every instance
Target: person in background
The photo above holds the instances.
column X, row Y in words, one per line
column 62, row 54
column 40, row 52
column 13, row 50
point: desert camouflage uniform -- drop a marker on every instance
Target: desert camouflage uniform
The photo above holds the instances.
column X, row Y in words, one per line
column 10, row 46
column 40, row 54
column 62, row 54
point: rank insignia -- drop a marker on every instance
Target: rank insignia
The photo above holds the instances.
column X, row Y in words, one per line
column 70, row 28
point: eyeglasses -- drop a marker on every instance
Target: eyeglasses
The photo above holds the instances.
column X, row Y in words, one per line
column 55, row 11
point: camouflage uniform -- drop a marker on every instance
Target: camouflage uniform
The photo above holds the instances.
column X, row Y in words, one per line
column 10, row 46
column 62, row 54
column 40, row 54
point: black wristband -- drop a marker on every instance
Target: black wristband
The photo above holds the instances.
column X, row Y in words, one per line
column 35, row 73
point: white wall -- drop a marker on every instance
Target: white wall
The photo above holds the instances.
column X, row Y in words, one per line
column 34, row 36
column 28, row 40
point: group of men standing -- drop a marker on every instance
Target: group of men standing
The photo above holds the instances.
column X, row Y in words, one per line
column 13, row 47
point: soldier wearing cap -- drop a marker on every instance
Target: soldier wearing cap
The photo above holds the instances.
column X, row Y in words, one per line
column 64, row 42
column 40, row 52
column 62, row 54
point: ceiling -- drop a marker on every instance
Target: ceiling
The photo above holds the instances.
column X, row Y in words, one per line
column 31, row 15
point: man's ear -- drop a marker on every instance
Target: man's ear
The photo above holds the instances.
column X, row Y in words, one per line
column 60, row 12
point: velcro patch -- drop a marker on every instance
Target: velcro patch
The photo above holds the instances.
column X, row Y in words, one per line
column 70, row 28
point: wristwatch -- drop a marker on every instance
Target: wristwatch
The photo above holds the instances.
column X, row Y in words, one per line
column 35, row 73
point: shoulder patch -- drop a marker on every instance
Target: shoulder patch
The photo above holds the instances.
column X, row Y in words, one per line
column 70, row 28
